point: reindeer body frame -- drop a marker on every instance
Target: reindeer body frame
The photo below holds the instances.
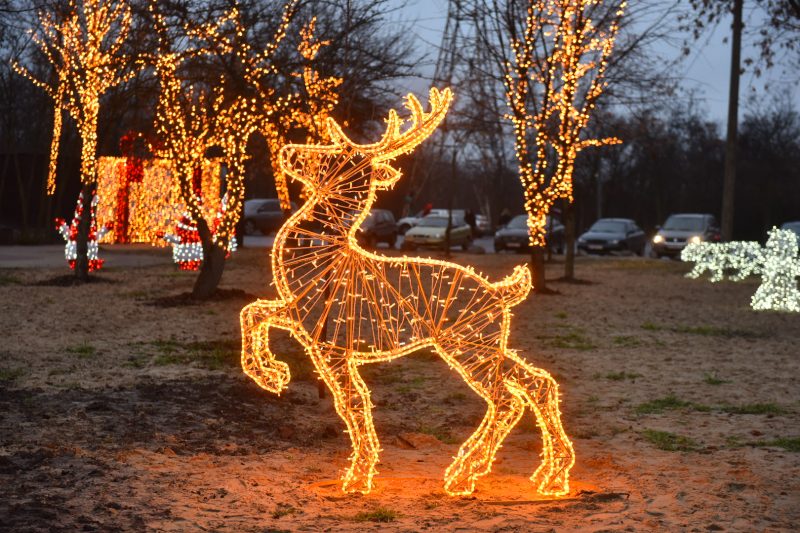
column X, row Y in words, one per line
column 349, row 306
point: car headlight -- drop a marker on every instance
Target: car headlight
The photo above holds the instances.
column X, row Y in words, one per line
column 697, row 239
column 658, row 239
column 615, row 241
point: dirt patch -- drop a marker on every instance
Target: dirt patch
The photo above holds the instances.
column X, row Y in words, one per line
column 186, row 298
column 70, row 280
column 572, row 281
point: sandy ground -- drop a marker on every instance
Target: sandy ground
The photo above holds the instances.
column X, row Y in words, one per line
column 117, row 414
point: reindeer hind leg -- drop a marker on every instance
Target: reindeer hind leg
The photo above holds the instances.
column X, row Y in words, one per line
column 540, row 392
column 504, row 410
column 476, row 455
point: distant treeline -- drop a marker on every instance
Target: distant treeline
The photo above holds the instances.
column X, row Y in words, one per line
column 668, row 162
column 673, row 162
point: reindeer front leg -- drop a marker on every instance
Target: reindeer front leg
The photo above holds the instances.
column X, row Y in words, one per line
column 258, row 361
column 352, row 401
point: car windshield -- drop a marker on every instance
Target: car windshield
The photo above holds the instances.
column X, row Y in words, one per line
column 436, row 222
column 519, row 222
column 608, row 226
column 683, row 223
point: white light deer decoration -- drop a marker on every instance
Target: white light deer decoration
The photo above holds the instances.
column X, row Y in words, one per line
column 777, row 263
column 349, row 307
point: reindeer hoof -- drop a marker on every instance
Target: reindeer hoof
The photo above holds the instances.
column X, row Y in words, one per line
column 274, row 376
column 551, row 481
column 460, row 487
column 352, row 483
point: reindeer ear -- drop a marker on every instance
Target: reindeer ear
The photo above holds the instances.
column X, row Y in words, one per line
column 385, row 176
column 293, row 162
column 336, row 134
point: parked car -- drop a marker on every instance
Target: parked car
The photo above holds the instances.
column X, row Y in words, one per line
column 264, row 215
column 613, row 235
column 430, row 231
column 514, row 235
column 681, row 229
column 794, row 226
column 406, row 223
column 379, row 226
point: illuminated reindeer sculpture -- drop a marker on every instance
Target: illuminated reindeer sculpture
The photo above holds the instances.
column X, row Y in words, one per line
column 348, row 307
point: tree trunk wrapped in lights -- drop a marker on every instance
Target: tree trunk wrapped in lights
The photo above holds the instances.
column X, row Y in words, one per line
column 277, row 115
column 187, row 131
column 189, row 122
column 553, row 81
column 83, row 47
column 187, row 128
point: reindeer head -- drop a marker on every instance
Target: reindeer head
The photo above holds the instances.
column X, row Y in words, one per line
column 346, row 166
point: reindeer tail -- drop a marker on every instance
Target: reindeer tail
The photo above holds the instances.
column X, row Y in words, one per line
column 514, row 288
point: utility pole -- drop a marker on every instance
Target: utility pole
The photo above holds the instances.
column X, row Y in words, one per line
column 729, row 179
column 443, row 77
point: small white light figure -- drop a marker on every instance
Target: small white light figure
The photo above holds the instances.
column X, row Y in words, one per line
column 70, row 234
column 187, row 248
column 779, row 271
column 777, row 264
column 739, row 258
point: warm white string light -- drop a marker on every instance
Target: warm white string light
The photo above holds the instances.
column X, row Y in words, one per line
column 349, row 306
column 566, row 83
column 186, row 130
column 84, row 48
column 155, row 202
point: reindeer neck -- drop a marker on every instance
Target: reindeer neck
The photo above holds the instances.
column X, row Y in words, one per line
column 335, row 212
column 320, row 230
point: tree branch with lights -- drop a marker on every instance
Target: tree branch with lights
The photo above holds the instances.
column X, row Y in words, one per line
column 190, row 119
column 305, row 108
column 553, row 58
column 83, row 45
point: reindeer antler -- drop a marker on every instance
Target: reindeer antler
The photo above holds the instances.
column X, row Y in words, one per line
column 394, row 142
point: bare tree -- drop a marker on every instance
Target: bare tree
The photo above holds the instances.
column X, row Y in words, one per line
column 778, row 31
